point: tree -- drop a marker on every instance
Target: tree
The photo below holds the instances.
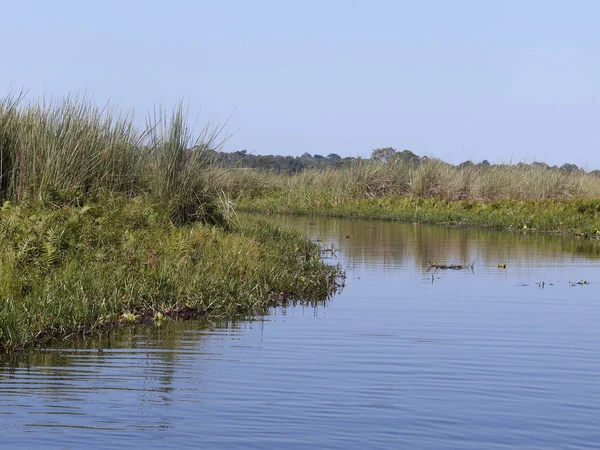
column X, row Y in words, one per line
column 568, row 168
column 384, row 155
column 406, row 156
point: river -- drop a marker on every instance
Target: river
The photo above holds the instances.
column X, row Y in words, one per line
column 406, row 356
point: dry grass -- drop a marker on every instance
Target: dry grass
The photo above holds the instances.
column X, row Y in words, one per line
column 431, row 179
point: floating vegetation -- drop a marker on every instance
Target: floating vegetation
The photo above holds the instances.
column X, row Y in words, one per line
column 436, row 266
column 103, row 224
column 328, row 250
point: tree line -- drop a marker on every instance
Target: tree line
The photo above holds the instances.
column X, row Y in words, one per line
column 386, row 155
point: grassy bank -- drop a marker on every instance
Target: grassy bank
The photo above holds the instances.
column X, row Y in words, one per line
column 68, row 270
column 521, row 197
column 103, row 224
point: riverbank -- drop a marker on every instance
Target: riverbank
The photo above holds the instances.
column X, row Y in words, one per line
column 530, row 197
column 70, row 270
column 103, row 224
column 579, row 217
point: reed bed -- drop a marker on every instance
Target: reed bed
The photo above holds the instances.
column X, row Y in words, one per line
column 70, row 150
column 528, row 197
column 432, row 179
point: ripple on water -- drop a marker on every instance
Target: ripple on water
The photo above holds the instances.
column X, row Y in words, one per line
column 470, row 360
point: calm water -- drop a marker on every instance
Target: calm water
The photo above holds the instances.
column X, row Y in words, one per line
column 403, row 358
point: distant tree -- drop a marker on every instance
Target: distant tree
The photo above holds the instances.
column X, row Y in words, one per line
column 539, row 164
column 465, row 164
column 306, row 155
column 406, row 156
column 568, row 168
column 485, row 163
column 318, row 157
column 385, row 155
column 334, row 157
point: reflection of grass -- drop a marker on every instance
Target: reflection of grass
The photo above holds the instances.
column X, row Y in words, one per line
column 71, row 269
column 390, row 244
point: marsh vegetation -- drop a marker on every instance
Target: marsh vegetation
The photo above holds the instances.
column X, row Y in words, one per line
column 517, row 197
column 103, row 224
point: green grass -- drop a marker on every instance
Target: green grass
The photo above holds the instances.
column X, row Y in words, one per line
column 68, row 150
column 104, row 224
column 506, row 197
column 577, row 216
column 70, row 270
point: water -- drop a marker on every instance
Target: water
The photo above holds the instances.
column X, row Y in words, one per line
column 405, row 357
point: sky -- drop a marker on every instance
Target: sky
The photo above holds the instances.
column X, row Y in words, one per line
column 506, row 81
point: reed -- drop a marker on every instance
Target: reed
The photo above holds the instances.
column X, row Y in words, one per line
column 507, row 196
column 69, row 150
column 431, row 179
column 66, row 147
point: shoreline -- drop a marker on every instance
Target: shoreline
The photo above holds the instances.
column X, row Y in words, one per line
column 576, row 217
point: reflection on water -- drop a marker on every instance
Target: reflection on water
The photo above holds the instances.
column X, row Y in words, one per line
column 387, row 245
column 403, row 358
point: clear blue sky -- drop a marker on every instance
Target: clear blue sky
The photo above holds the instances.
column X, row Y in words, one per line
column 497, row 80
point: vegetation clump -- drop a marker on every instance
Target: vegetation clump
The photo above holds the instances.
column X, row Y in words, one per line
column 74, row 269
column 102, row 224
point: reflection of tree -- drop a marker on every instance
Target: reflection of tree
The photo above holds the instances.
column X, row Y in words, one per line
column 392, row 244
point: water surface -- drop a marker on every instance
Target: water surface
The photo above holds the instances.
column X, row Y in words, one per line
column 405, row 357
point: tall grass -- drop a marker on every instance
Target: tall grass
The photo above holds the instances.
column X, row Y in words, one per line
column 67, row 146
column 181, row 171
column 70, row 150
column 432, row 178
column 511, row 197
